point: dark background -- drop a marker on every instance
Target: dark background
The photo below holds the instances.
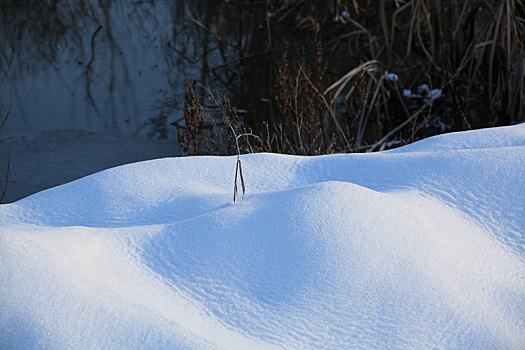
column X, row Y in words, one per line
column 87, row 85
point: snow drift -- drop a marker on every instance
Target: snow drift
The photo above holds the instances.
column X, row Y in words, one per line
column 419, row 247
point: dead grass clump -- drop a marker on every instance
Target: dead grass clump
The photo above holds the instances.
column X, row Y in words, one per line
column 301, row 107
column 197, row 130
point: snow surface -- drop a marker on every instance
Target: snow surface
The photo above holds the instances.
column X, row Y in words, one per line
column 420, row 247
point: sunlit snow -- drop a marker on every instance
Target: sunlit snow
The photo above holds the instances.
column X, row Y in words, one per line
column 419, row 247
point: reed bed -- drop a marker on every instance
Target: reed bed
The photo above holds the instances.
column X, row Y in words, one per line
column 358, row 75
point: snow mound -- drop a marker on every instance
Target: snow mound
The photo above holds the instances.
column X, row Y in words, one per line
column 506, row 136
column 418, row 248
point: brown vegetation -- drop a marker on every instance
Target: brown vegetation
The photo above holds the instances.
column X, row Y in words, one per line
column 316, row 77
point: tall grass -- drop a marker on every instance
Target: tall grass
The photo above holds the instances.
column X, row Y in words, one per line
column 359, row 75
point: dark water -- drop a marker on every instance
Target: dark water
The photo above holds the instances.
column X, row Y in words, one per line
column 105, row 66
column 94, row 84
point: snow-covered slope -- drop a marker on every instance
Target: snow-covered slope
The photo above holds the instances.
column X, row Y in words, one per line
column 422, row 247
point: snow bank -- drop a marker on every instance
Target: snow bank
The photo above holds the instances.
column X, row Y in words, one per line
column 422, row 247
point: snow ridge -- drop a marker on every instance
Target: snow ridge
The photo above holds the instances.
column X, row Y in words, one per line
column 422, row 247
